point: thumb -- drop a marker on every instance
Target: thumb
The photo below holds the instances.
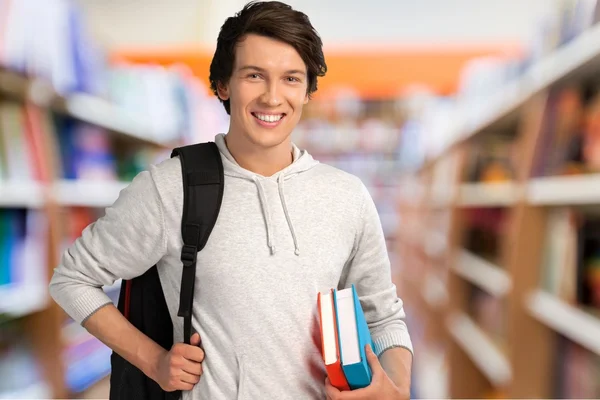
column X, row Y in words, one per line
column 195, row 339
column 376, row 367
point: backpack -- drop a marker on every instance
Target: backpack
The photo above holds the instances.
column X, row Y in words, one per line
column 141, row 299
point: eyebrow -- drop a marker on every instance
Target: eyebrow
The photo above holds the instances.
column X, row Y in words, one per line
column 259, row 69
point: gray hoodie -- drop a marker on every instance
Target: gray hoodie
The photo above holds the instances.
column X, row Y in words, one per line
column 278, row 241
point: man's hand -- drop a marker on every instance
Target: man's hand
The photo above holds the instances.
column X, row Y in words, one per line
column 381, row 387
column 181, row 367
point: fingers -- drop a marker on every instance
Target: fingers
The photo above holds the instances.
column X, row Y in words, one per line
column 373, row 361
column 189, row 352
column 185, row 366
column 192, row 367
column 184, row 386
column 330, row 390
column 188, row 378
column 194, row 353
column 177, row 382
column 195, row 339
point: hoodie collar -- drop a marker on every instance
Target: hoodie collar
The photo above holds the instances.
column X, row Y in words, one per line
column 302, row 161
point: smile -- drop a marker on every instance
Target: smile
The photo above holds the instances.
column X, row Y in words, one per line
column 268, row 119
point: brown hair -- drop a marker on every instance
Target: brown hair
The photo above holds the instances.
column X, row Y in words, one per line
column 275, row 20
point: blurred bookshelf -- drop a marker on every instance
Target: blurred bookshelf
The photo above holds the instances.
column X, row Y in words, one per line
column 361, row 136
column 488, row 197
column 511, row 182
column 75, row 128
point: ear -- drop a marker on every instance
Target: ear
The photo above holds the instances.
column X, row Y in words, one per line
column 223, row 91
column 306, row 98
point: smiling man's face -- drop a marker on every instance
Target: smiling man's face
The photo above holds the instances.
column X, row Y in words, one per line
column 267, row 90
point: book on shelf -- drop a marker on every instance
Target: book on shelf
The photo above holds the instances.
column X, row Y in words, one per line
column 489, row 313
column 588, row 277
column 166, row 104
column 559, row 144
column 591, row 134
column 577, row 370
column 42, row 142
column 571, row 259
column 87, row 359
column 491, row 160
column 48, row 39
column 575, row 18
column 569, row 140
column 23, row 251
column 560, row 255
column 37, row 145
column 20, row 372
column 86, row 151
column 483, row 233
column 344, row 335
column 17, row 155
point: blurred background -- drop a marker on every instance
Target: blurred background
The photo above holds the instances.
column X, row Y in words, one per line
column 474, row 123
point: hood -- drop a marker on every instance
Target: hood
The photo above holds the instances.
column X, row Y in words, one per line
column 302, row 162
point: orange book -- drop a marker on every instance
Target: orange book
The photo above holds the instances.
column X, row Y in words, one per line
column 330, row 349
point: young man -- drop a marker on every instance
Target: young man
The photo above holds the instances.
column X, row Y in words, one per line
column 288, row 228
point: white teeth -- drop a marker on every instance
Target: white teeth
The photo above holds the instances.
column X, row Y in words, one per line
column 269, row 118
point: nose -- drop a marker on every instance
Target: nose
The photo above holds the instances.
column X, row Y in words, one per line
column 271, row 95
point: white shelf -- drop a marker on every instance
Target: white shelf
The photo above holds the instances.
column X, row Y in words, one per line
column 66, row 193
column 488, row 194
column 432, row 375
column 564, row 190
column 577, row 325
column 87, row 193
column 435, row 244
column 81, row 106
column 100, row 112
column 21, row 194
column 434, row 292
column 489, row 277
column 480, row 349
column 21, row 300
column 576, row 60
column 38, row 390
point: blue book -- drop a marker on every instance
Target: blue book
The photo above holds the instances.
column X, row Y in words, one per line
column 5, row 248
column 354, row 335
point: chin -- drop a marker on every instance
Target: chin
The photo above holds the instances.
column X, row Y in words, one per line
column 267, row 138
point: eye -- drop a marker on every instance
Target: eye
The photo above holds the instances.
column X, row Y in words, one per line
column 254, row 76
column 293, row 79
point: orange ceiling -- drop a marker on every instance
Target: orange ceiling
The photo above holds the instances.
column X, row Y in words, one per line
column 372, row 72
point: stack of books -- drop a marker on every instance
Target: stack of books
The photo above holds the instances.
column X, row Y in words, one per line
column 344, row 336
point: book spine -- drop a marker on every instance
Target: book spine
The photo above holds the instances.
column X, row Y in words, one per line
column 358, row 375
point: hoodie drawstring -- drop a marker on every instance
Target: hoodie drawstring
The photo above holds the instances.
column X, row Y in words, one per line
column 267, row 214
column 287, row 214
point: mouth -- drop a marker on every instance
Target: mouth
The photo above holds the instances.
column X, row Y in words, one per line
column 268, row 120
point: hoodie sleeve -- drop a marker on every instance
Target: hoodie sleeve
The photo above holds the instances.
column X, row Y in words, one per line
column 124, row 243
column 368, row 268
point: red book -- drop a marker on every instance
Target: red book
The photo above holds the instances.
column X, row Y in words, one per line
column 330, row 348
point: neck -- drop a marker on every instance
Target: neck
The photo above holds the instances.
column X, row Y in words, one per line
column 260, row 160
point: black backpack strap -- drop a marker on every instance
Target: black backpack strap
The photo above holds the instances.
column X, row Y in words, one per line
column 203, row 183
